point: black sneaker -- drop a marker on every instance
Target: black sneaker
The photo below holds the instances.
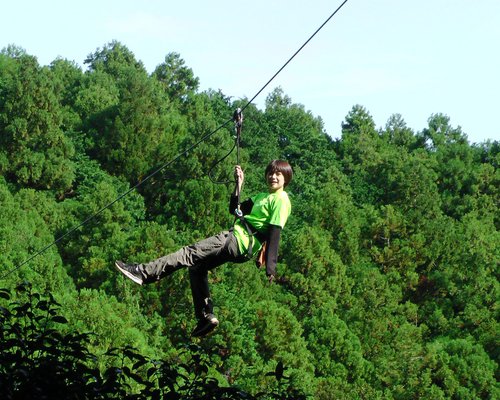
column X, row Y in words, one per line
column 131, row 271
column 205, row 325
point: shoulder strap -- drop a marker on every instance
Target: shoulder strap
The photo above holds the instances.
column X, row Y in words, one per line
column 250, row 230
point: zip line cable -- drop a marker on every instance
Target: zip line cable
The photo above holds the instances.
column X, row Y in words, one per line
column 84, row 222
column 196, row 144
column 293, row 56
column 238, row 122
column 263, row 87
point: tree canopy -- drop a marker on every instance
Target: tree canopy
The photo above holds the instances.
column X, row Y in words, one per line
column 388, row 272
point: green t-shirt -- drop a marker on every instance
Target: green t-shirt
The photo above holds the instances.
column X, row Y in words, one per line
column 268, row 209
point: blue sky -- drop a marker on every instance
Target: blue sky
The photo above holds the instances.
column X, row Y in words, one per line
column 414, row 58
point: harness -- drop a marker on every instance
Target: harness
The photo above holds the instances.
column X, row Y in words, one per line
column 252, row 232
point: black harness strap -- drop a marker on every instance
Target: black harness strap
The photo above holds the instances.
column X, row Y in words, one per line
column 252, row 232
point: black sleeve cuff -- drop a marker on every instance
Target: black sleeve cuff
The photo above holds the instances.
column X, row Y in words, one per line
column 245, row 206
column 273, row 242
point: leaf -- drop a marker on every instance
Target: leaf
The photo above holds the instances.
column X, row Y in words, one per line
column 4, row 294
column 151, row 371
column 140, row 363
column 23, row 287
column 43, row 305
column 279, row 370
column 59, row 319
column 112, row 352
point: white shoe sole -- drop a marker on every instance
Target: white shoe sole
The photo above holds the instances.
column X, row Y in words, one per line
column 129, row 275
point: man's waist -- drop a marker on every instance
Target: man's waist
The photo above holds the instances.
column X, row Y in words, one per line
column 248, row 229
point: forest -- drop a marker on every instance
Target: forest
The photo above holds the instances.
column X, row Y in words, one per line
column 387, row 283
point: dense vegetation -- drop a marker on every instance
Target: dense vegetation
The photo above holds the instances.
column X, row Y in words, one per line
column 388, row 272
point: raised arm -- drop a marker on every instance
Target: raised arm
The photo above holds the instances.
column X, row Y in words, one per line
column 245, row 206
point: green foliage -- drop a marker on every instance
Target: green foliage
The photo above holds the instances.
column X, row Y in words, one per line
column 458, row 368
column 97, row 244
column 23, row 231
column 35, row 151
column 37, row 361
column 177, row 79
column 387, row 282
column 139, row 130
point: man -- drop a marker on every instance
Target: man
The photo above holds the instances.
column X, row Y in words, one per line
column 260, row 220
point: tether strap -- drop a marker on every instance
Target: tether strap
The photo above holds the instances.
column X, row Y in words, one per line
column 238, row 123
column 252, row 232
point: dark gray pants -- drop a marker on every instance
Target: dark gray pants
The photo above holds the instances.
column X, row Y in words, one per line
column 200, row 258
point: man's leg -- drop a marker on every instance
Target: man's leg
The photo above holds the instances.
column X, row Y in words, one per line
column 203, row 306
column 199, row 258
column 198, row 277
column 205, row 252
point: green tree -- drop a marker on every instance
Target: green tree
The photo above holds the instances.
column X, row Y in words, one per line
column 23, row 233
column 298, row 137
column 67, row 79
column 187, row 195
column 137, row 130
column 458, row 368
column 398, row 133
column 360, row 153
column 337, row 351
column 279, row 336
column 102, row 239
column 177, row 79
column 314, row 271
column 34, row 149
column 439, row 133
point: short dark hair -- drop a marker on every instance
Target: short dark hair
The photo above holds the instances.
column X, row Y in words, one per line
column 280, row 166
